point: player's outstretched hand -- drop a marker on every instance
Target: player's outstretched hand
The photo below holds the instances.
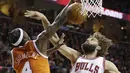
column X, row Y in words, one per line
column 34, row 14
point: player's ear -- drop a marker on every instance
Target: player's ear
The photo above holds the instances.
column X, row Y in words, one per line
column 98, row 48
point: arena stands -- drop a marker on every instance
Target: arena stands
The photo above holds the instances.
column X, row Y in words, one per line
column 118, row 53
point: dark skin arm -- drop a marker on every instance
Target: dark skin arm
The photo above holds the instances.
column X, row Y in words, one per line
column 66, row 51
column 58, row 22
column 57, row 46
column 52, row 50
column 44, row 36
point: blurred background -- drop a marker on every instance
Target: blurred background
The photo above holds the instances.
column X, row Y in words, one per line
column 114, row 24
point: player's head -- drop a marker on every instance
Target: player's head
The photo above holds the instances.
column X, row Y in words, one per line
column 91, row 45
column 104, row 42
column 18, row 37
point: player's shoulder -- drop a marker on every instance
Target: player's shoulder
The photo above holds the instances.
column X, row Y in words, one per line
column 101, row 57
column 16, row 49
column 29, row 42
column 20, row 47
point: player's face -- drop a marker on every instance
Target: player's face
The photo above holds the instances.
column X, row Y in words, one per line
column 90, row 45
column 92, row 40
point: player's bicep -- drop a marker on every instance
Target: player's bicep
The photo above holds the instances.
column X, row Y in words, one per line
column 110, row 67
column 69, row 53
column 41, row 41
column 42, row 36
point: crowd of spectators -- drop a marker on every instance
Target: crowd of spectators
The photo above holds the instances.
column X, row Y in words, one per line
column 5, row 59
column 119, row 53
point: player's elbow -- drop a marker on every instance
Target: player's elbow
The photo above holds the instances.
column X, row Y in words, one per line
column 43, row 35
column 60, row 20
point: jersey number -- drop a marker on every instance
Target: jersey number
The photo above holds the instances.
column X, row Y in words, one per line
column 26, row 68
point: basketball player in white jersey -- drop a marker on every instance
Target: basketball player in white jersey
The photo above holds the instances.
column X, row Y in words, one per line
column 95, row 48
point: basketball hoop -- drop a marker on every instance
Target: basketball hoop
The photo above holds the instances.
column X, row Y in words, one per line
column 92, row 7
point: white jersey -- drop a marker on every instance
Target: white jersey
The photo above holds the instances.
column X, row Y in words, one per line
column 83, row 65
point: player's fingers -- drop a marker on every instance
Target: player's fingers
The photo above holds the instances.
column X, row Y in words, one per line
column 63, row 35
column 30, row 14
column 28, row 10
column 61, row 41
column 27, row 15
column 62, row 38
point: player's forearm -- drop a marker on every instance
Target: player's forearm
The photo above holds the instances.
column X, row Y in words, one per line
column 45, row 24
column 61, row 18
column 63, row 12
column 50, row 51
column 59, row 21
column 64, row 50
column 69, row 53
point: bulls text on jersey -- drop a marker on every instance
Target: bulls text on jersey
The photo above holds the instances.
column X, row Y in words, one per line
column 87, row 66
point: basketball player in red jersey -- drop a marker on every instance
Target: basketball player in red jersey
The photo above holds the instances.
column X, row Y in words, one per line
column 95, row 48
column 31, row 56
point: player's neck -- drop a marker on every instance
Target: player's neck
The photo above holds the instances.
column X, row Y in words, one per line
column 23, row 42
column 91, row 56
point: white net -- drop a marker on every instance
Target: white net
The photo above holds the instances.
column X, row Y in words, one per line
column 92, row 7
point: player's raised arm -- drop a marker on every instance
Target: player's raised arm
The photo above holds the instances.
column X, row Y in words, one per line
column 59, row 21
column 39, row 16
column 44, row 36
column 66, row 51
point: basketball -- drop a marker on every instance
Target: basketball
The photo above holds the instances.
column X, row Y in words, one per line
column 74, row 15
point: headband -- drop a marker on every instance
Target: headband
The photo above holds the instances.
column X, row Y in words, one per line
column 20, row 38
